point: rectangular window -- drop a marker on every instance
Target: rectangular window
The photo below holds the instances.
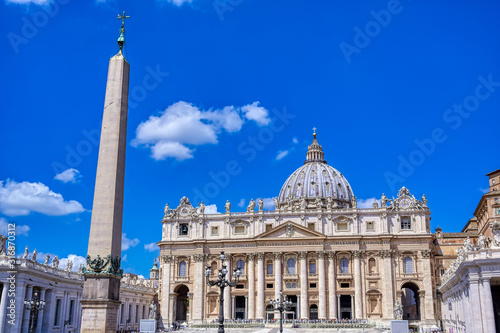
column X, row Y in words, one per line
column 342, row 226
column 71, row 311
column 312, row 285
column 240, row 286
column 215, row 231
column 312, row 268
column 370, row 226
column 183, row 229
column 240, row 229
column 269, row 269
column 58, row 310
column 405, row 223
column 311, row 226
column 269, row 227
column 344, row 285
column 269, row 286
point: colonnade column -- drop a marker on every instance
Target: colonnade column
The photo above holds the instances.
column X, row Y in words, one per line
column 251, row 286
column 321, row 285
column 227, row 290
column 332, row 312
column 260, row 286
column 3, row 307
column 165, row 292
column 277, row 278
column 357, row 284
column 487, row 306
column 26, row 316
column 303, row 285
column 199, row 283
column 40, row 313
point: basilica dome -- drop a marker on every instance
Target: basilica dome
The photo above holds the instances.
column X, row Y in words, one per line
column 316, row 184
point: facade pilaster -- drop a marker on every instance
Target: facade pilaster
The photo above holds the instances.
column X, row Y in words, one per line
column 298, row 306
column 427, row 281
column 40, row 313
column 251, row 286
column 199, row 279
column 3, row 307
column 227, row 291
column 387, row 284
column 260, row 286
column 357, row 284
column 165, row 292
column 321, row 285
column 332, row 302
column 277, row 278
column 487, row 306
column 304, row 314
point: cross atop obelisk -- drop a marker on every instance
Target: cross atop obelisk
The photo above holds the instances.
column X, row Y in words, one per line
column 101, row 289
column 121, row 39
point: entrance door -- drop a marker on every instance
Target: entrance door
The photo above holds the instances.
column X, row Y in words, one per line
column 345, row 307
column 182, row 303
column 291, row 313
column 269, row 312
column 239, row 311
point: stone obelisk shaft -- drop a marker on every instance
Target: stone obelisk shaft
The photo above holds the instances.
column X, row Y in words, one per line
column 101, row 290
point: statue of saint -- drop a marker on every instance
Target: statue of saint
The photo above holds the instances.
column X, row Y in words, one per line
column 424, row 200
column 152, row 310
column 354, row 202
column 251, row 206
column 69, row 265
column 26, row 252
column 55, row 262
column 383, row 201
column 166, row 209
column 303, row 203
column 228, row 206
column 276, row 203
column 34, row 255
column 261, row 204
column 202, row 207
column 47, row 258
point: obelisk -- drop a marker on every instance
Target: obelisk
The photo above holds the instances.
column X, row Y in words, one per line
column 101, row 290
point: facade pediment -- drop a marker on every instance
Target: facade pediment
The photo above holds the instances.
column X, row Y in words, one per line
column 289, row 230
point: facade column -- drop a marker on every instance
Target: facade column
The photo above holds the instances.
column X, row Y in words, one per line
column 26, row 313
column 40, row 313
column 170, row 307
column 487, row 306
column 251, row 286
column 387, row 285
column 3, row 307
column 298, row 306
column 321, row 286
column 227, row 291
column 260, row 286
column 277, row 279
column 427, row 281
column 353, row 308
column 339, row 315
column 303, row 285
column 421, row 298
column 199, row 283
column 332, row 308
column 233, row 303
column 357, row 284
column 246, row 307
column 165, row 317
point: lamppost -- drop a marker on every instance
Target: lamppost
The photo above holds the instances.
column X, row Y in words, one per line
column 222, row 282
column 34, row 305
column 281, row 304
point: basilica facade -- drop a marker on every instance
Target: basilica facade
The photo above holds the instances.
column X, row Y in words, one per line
column 332, row 259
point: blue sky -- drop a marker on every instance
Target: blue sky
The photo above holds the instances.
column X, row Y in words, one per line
column 402, row 93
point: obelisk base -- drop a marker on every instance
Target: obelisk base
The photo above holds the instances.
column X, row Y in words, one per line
column 100, row 303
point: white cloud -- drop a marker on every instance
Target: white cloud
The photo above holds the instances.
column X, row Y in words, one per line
column 256, row 113
column 151, row 247
column 294, row 140
column 23, row 198
column 183, row 126
column 20, row 229
column 211, row 209
column 367, row 203
column 268, row 203
column 128, row 243
column 281, row 154
column 68, row 176
column 179, row 2
column 484, row 190
column 242, row 202
column 29, row 2
column 77, row 261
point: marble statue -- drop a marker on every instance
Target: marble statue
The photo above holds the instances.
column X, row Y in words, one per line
column 261, row 204
column 424, row 200
column 481, row 242
column 69, row 265
column 354, row 202
column 329, row 202
column 152, row 310
column 3, row 244
column 383, row 201
column 26, row 252
column 202, row 207
column 303, row 203
column 318, row 202
column 276, row 203
column 47, row 258
column 398, row 311
column 251, row 206
column 80, row 268
column 55, row 262
column 34, row 255
column 228, row 206
column 166, row 209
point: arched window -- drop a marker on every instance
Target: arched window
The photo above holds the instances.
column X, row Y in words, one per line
column 241, row 265
column 269, row 267
column 408, row 265
column 372, row 266
column 313, row 312
column 344, row 266
column 213, row 266
column 182, row 268
column 290, row 267
column 312, row 267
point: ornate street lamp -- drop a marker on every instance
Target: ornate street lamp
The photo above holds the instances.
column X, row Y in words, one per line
column 34, row 305
column 222, row 283
column 281, row 304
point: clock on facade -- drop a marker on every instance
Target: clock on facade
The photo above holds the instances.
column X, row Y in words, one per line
column 404, row 203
